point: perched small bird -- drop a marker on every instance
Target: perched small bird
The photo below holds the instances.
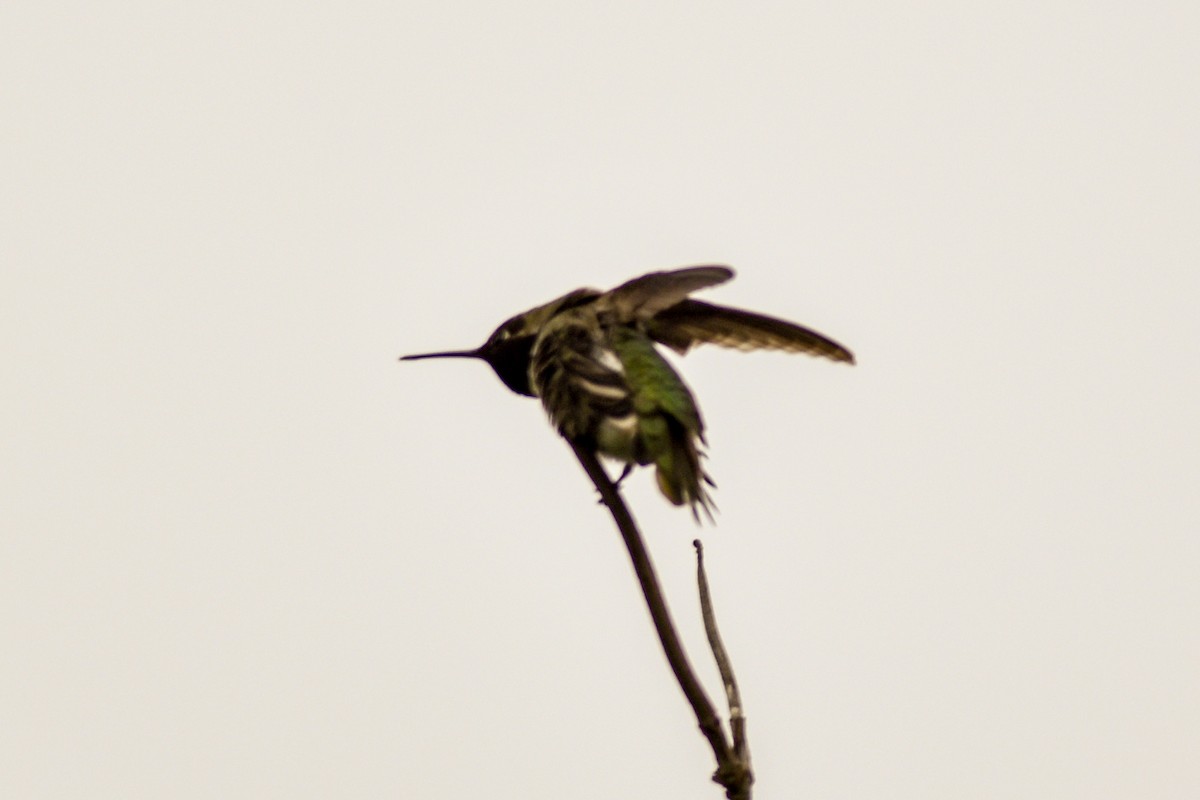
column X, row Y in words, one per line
column 591, row 358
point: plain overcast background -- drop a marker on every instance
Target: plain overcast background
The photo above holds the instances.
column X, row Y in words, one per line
column 246, row 554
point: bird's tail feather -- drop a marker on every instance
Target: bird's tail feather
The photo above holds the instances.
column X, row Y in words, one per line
column 681, row 478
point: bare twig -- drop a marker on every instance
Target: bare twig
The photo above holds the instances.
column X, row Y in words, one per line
column 737, row 719
column 733, row 772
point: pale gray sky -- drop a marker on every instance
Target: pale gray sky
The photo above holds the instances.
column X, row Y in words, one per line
column 244, row 553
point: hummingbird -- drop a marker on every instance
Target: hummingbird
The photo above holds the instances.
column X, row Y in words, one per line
column 591, row 357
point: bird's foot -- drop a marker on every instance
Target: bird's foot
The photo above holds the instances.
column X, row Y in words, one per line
column 617, row 483
column 624, row 474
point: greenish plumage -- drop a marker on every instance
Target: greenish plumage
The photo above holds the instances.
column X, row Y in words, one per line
column 669, row 423
column 590, row 357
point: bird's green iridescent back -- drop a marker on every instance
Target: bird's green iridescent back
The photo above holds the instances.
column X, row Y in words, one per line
column 669, row 429
column 656, row 386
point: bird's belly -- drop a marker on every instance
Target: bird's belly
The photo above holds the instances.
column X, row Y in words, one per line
column 617, row 437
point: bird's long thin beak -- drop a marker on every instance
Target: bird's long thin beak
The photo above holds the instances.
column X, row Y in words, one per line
column 447, row 354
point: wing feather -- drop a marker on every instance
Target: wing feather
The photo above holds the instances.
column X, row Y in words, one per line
column 691, row 322
column 643, row 297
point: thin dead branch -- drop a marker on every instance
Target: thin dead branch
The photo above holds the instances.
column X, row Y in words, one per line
column 733, row 761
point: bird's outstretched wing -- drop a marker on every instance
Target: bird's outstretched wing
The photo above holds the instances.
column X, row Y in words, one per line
column 691, row 322
column 642, row 298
